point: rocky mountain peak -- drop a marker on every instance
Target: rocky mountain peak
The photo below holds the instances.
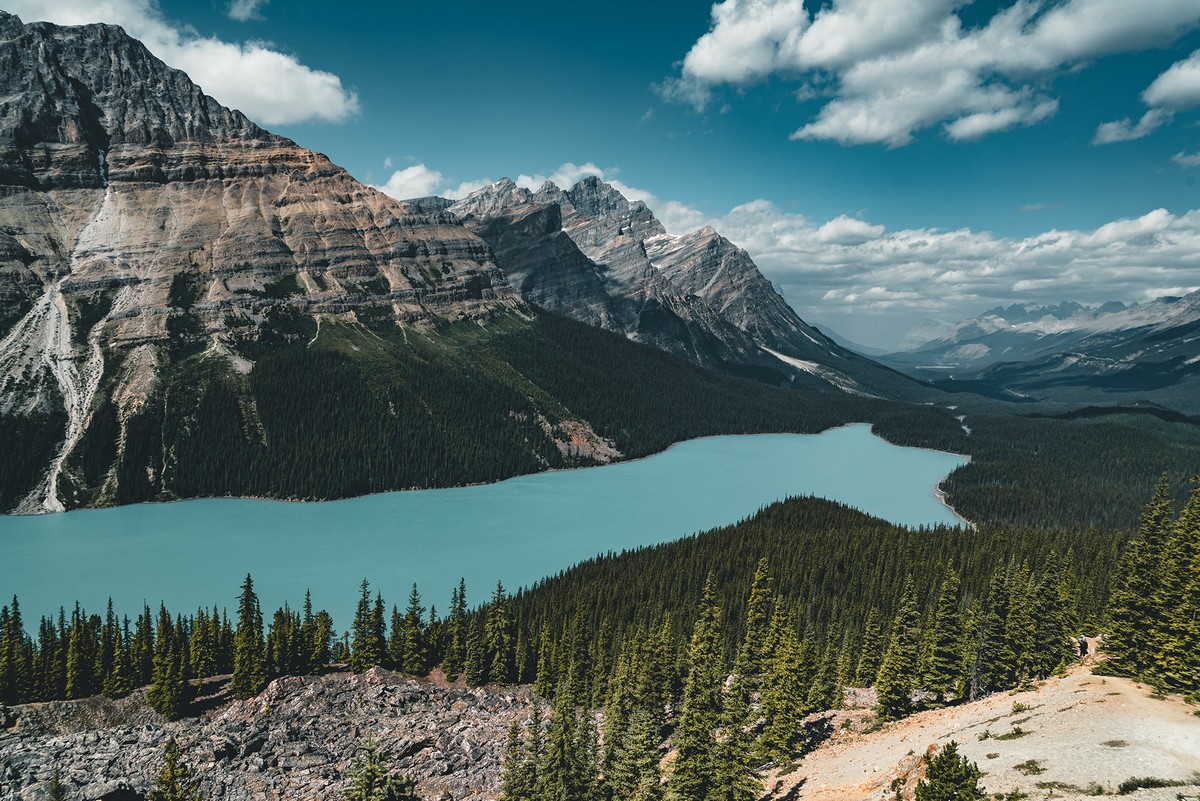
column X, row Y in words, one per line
column 500, row 197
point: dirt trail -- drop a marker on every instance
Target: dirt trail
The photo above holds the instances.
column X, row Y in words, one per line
column 1075, row 735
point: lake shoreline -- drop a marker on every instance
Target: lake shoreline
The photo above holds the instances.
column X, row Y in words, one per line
column 937, row 493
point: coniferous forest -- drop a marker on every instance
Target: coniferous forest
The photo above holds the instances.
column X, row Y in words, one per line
column 721, row 643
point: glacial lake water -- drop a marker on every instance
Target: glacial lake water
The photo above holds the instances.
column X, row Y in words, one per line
column 197, row 552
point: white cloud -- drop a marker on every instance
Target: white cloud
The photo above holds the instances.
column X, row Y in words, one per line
column 901, row 66
column 1178, row 87
column 845, row 230
column 1126, row 130
column 245, row 10
column 1186, row 160
column 270, row 86
column 412, row 182
column 568, row 174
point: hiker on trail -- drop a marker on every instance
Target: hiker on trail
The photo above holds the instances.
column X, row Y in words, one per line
column 1083, row 648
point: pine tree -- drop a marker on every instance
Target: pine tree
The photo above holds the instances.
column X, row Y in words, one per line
column 898, row 673
column 950, row 777
column 944, row 671
column 175, row 781
column 700, row 712
column 249, row 661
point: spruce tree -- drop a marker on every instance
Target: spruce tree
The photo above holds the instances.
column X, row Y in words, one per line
column 944, row 670
column 898, row 674
column 414, row 652
column 498, row 638
column 694, row 775
column 784, row 697
column 1133, row 609
column 633, row 772
column 367, row 645
column 558, row 773
column 370, row 779
column 870, row 652
column 950, row 777
column 249, row 661
column 175, row 781
column 514, row 777
column 1175, row 635
column 753, row 655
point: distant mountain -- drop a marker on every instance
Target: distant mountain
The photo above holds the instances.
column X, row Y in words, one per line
column 191, row 305
column 1081, row 354
column 593, row 255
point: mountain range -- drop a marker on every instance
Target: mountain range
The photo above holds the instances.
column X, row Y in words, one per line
column 192, row 305
column 1113, row 353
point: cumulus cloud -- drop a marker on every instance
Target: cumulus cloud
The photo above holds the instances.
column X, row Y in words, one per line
column 245, row 10
column 896, row 67
column 270, row 86
column 1176, row 89
column 411, row 182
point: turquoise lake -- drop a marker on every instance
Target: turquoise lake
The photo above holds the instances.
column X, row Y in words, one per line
column 194, row 553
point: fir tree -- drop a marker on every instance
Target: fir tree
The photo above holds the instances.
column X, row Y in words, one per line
column 249, row 661
column 950, row 777
column 175, row 781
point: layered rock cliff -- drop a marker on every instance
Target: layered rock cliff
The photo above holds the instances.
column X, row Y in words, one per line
column 134, row 208
column 698, row 295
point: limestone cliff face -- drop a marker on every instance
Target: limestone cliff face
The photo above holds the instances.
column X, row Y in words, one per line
column 128, row 198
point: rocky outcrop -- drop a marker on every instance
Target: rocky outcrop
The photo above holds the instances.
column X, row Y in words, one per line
column 295, row 740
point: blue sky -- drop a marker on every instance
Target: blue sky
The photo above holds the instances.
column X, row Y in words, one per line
column 884, row 161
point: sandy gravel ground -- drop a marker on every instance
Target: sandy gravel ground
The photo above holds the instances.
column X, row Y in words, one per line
column 1078, row 735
